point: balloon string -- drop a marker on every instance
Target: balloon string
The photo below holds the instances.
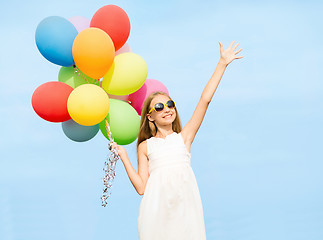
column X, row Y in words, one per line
column 107, row 127
column 79, row 73
column 109, row 167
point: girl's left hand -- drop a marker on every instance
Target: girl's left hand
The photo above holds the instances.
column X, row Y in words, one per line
column 229, row 54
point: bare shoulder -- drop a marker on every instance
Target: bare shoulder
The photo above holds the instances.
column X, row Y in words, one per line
column 142, row 147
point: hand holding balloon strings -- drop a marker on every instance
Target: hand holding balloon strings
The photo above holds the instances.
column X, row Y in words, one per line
column 109, row 167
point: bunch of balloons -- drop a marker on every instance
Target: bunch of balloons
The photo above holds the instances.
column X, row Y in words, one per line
column 101, row 81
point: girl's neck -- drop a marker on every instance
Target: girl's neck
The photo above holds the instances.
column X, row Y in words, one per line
column 163, row 133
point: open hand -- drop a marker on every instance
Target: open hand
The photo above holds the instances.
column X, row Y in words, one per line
column 229, row 54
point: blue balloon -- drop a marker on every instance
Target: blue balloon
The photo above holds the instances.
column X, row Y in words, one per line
column 77, row 132
column 54, row 39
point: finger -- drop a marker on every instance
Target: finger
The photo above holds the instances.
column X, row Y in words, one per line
column 238, row 57
column 238, row 51
column 114, row 145
column 234, row 48
column 231, row 44
column 116, row 149
column 221, row 45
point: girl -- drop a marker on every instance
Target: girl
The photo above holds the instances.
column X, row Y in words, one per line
column 171, row 206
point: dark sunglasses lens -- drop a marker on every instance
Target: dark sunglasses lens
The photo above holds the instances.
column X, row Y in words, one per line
column 159, row 107
column 170, row 104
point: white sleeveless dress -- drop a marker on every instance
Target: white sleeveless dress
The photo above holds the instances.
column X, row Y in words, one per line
column 171, row 207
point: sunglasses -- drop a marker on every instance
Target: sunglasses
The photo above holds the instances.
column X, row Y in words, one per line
column 160, row 106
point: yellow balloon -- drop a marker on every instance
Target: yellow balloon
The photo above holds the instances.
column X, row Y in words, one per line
column 126, row 75
column 88, row 104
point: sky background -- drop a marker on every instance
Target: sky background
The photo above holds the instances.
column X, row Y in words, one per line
column 257, row 156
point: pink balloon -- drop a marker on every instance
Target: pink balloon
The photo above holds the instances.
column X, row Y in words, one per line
column 80, row 23
column 137, row 98
column 123, row 49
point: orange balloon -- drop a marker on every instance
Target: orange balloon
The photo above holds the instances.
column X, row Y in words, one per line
column 93, row 52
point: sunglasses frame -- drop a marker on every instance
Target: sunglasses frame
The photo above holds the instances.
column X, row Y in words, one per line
column 153, row 108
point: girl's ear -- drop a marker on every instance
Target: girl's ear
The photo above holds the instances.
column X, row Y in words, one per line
column 149, row 117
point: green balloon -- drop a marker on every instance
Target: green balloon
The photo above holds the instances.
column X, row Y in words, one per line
column 124, row 122
column 67, row 75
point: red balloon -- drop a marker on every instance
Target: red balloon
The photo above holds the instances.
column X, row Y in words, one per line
column 49, row 101
column 115, row 22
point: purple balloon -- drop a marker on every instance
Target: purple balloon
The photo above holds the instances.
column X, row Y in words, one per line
column 137, row 98
column 80, row 23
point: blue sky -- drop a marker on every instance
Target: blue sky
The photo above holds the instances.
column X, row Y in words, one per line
column 256, row 157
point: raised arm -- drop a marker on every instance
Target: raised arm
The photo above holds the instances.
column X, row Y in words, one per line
column 191, row 128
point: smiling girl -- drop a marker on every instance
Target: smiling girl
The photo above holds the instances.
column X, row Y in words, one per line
column 171, row 207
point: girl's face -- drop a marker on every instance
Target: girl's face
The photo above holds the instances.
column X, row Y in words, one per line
column 164, row 117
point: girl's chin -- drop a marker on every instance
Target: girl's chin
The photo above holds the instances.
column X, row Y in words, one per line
column 168, row 120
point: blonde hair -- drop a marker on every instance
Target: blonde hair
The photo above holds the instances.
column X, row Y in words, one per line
column 149, row 129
